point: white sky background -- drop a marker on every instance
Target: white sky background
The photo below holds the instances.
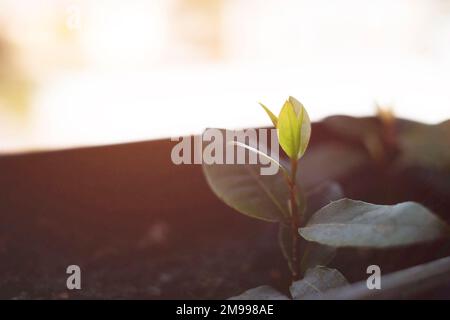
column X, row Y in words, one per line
column 136, row 70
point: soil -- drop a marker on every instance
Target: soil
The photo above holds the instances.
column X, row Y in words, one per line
column 142, row 228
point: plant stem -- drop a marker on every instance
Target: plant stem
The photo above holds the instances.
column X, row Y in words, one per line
column 294, row 219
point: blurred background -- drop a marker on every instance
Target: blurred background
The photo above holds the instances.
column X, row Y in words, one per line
column 88, row 72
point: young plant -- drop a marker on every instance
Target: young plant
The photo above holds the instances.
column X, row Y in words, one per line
column 317, row 224
column 294, row 131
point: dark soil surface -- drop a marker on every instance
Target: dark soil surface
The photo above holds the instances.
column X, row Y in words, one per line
column 142, row 228
column 214, row 270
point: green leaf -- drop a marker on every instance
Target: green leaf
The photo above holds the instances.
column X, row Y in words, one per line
column 305, row 125
column 243, row 188
column 350, row 223
column 261, row 293
column 262, row 154
column 294, row 128
column 316, row 282
column 272, row 117
column 289, row 130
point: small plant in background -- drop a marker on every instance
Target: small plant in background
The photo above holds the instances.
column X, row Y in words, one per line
column 312, row 223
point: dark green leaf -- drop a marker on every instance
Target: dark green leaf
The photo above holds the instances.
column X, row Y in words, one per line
column 242, row 187
column 316, row 282
column 349, row 223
